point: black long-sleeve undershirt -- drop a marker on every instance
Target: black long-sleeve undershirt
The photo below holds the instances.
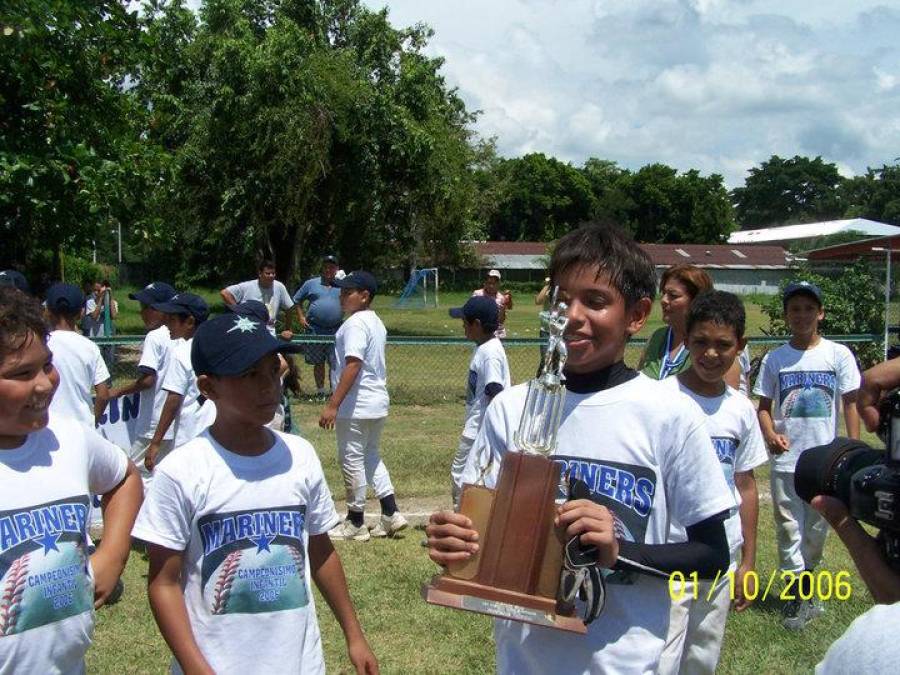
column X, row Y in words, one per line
column 705, row 552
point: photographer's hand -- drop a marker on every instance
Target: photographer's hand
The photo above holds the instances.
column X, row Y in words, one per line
column 875, row 381
column 883, row 583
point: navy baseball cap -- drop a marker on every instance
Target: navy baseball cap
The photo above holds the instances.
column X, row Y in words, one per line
column 478, row 307
column 330, row 259
column 64, row 298
column 797, row 287
column 15, row 279
column 358, row 279
column 230, row 344
column 185, row 304
column 252, row 308
column 158, row 291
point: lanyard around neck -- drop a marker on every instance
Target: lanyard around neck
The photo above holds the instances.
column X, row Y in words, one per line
column 668, row 365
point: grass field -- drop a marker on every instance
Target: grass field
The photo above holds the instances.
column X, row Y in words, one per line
column 521, row 322
column 385, row 577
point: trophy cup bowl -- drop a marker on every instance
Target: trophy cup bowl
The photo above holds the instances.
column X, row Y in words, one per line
column 516, row 572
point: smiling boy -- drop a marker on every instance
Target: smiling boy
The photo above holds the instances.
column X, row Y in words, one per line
column 643, row 452
column 800, row 386
column 48, row 470
column 715, row 336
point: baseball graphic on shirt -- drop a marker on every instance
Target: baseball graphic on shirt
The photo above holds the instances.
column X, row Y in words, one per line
column 807, row 394
column 254, row 561
column 44, row 575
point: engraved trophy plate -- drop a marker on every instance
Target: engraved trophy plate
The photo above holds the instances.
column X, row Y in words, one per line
column 515, row 574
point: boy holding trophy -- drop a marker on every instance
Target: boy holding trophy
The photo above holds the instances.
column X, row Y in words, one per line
column 640, row 456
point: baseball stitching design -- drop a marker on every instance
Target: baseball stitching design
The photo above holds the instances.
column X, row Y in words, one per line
column 11, row 601
column 225, row 581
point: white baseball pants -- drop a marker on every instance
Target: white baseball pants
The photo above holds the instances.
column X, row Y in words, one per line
column 458, row 466
column 800, row 529
column 358, row 443
column 696, row 630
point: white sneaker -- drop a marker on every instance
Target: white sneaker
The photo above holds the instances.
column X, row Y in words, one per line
column 388, row 526
column 349, row 532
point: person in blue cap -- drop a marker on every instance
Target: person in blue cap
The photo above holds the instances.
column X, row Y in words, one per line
column 236, row 523
column 801, row 385
column 184, row 410
column 488, row 375
column 358, row 408
column 155, row 354
column 83, row 376
column 15, row 279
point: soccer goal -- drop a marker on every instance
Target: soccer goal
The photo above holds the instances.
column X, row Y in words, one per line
column 422, row 289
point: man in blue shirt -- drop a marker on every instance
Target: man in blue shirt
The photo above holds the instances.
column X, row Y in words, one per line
column 322, row 317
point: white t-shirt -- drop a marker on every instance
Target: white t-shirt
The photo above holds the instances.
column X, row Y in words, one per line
column 868, row 646
column 645, row 453
column 46, row 584
column 155, row 357
column 363, row 336
column 738, row 442
column 180, row 379
column 488, row 365
column 805, row 387
column 80, row 368
column 276, row 298
column 244, row 524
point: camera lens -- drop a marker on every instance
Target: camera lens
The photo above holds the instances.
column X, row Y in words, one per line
column 827, row 469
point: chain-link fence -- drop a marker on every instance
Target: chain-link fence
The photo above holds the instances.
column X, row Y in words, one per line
column 427, row 381
column 427, row 371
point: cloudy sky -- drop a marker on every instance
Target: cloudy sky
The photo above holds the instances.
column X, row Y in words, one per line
column 717, row 85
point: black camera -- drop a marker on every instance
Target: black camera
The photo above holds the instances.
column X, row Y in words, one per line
column 866, row 480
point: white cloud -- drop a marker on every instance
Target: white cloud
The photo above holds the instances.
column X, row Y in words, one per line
column 717, row 85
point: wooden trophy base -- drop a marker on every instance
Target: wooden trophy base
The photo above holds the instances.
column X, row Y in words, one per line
column 515, row 574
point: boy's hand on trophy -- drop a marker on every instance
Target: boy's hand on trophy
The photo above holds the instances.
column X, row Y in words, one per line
column 450, row 537
column 593, row 525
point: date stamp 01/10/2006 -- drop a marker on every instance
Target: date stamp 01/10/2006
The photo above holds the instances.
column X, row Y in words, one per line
column 821, row 585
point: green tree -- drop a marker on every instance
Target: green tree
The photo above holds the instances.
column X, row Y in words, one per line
column 71, row 160
column 665, row 207
column 784, row 191
column 541, row 199
column 875, row 195
column 297, row 127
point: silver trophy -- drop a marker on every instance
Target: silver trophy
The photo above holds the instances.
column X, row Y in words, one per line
column 547, row 392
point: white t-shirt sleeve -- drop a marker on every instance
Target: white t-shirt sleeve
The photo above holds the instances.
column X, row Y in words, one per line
column 751, row 450
column 237, row 291
column 101, row 372
column 355, row 341
column 848, row 378
column 178, row 375
column 107, row 463
column 322, row 515
column 153, row 354
column 284, row 298
column 694, row 483
column 164, row 518
column 493, row 372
